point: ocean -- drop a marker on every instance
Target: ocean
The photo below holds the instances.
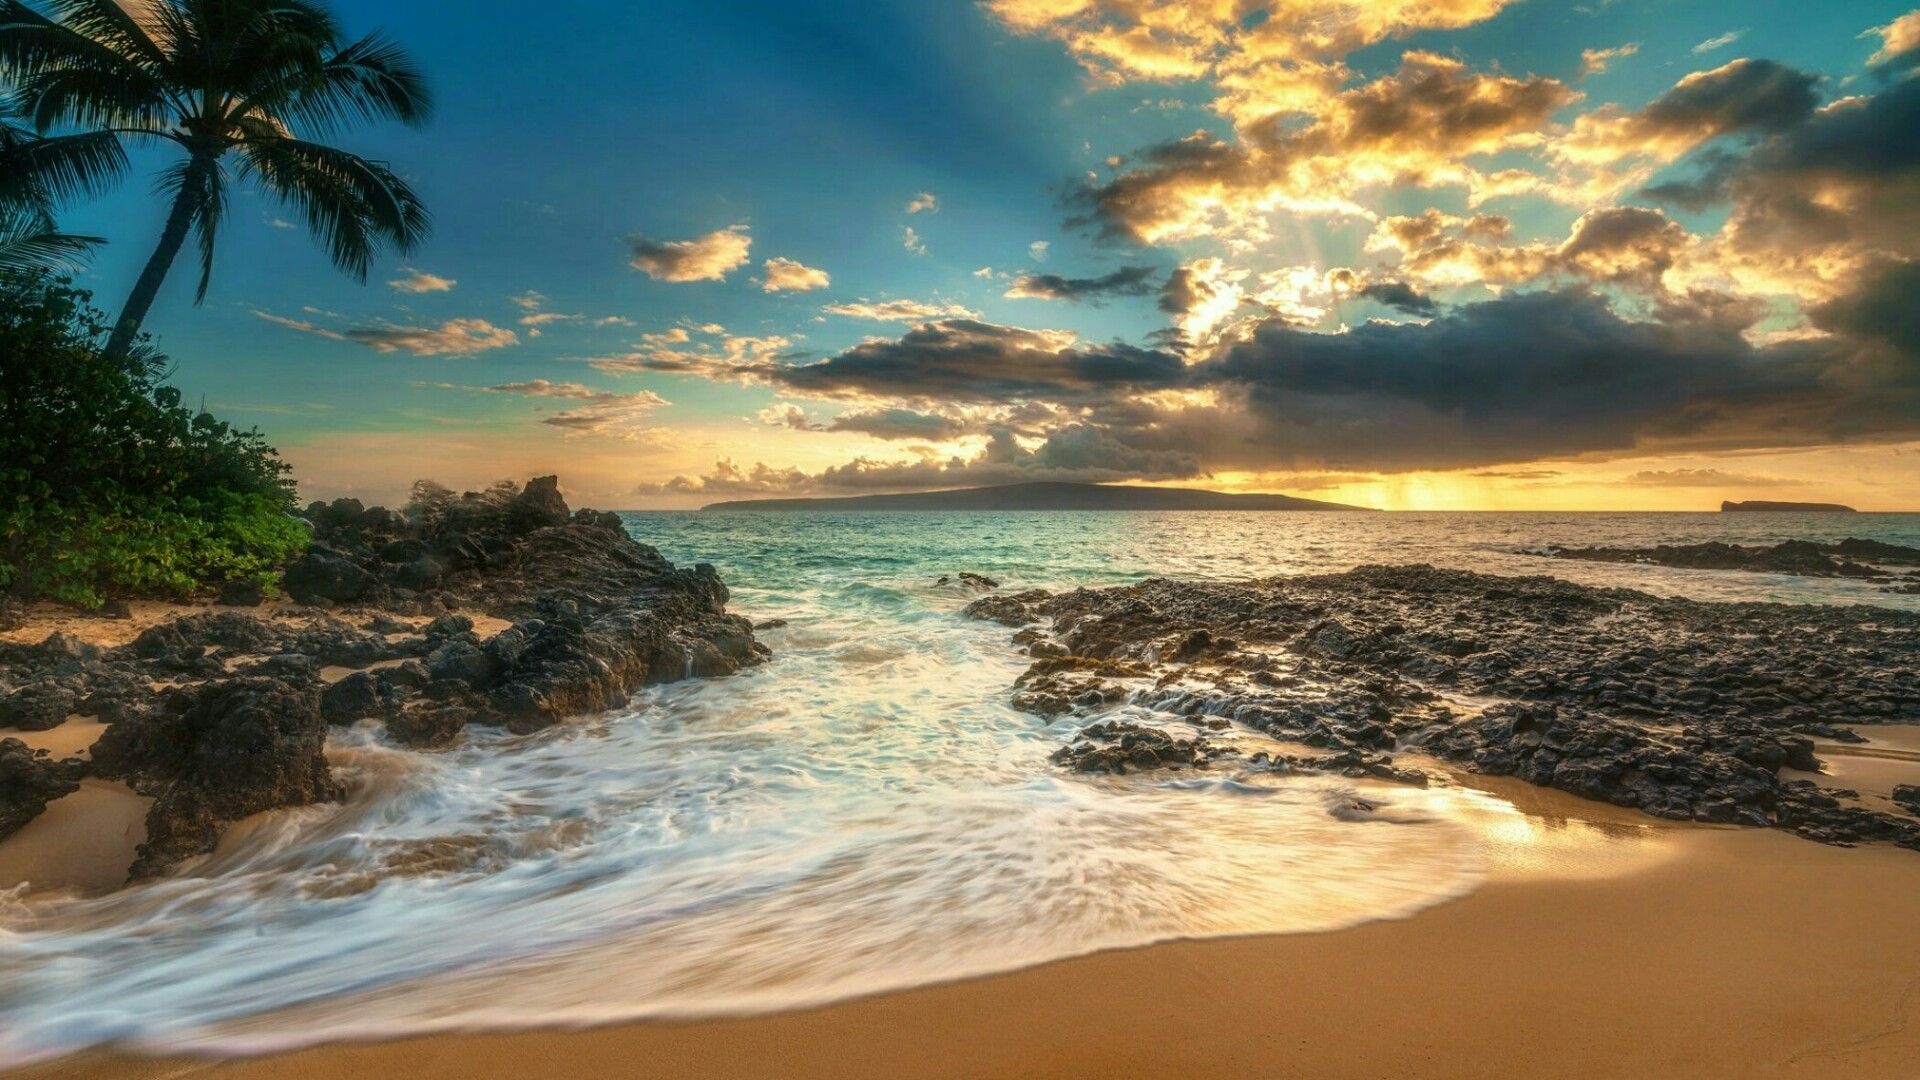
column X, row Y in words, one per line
column 865, row 812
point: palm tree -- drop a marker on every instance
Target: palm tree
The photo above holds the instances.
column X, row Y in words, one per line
column 35, row 176
column 225, row 79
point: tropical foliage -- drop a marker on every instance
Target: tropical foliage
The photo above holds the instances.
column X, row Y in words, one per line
column 108, row 484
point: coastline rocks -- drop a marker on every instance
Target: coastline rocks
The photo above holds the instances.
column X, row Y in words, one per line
column 241, row 594
column 224, row 713
column 29, row 780
column 1805, row 558
column 1118, row 747
column 1008, row 609
column 325, row 575
column 215, row 753
column 1682, row 709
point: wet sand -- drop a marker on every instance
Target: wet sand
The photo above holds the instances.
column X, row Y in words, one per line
column 1696, row 952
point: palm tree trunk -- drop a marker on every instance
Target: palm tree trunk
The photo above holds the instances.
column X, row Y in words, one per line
column 140, row 300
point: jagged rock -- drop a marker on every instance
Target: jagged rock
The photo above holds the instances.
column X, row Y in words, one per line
column 421, row 574
column 326, row 575
column 38, row 706
column 1121, row 748
column 29, row 780
column 1009, row 609
column 539, row 505
column 215, row 753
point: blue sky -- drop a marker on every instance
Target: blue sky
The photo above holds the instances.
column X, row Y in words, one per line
column 810, row 128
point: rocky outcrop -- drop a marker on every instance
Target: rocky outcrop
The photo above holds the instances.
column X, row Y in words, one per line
column 215, row 753
column 1847, row 558
column 1681, row 709
column 224, row 713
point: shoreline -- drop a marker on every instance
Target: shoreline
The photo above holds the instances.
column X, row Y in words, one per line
column 1685, row 951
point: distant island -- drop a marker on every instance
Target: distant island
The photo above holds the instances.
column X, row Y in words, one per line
column 1765, row 506
column 1046, row 496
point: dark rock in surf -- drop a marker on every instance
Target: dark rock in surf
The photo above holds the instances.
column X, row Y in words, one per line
column 213, row 754
column 1685, row 710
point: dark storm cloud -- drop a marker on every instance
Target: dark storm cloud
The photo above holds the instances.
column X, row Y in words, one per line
column 1126, row 281
column 1885, row 307
column 1745, row 95
column 1544, row 375
column 1845, row 176
column 900, row 424
column 963, row 360
column 1400, row 296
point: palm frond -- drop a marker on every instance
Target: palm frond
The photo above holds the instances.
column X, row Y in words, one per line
column 370, row 80
column 112, row 25
column 45, row 172
column 353, row 207
column 29, row 241
column 33, row 45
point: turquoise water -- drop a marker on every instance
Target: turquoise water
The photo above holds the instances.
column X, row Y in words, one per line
column 862, row 813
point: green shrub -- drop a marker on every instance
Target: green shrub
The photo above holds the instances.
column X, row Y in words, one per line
column 108, row 485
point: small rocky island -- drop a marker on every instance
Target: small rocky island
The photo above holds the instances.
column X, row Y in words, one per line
column 1682, row 709
column 502, row 608
column 1771, row 506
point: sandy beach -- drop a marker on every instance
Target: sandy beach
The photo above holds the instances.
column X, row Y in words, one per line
column 1668, row 951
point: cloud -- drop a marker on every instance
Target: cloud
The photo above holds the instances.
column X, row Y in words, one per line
column 1702, row 478
column 787, row 275
column 601, row 412
column 709, row 352
column 1126, row 40
column 1814, row 203
column 1078, row 453
column 1400, row 296
column 912, row 242
column 1742, row 96
column 899, row 310
column 1420, row 126
column 1720, row 41
column 1549, row 374
column 1126, row 281
column 923, row 203
column 729, row 479
column 1038, row 250
column 455, row 337
column 419, row 281
column 1627, row 245
column 707, row 258
column 896, row 423
column 1899, row 42
column 964, row 360
column 1595, row 61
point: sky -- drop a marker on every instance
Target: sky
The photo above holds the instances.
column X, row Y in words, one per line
column 1412, row 254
